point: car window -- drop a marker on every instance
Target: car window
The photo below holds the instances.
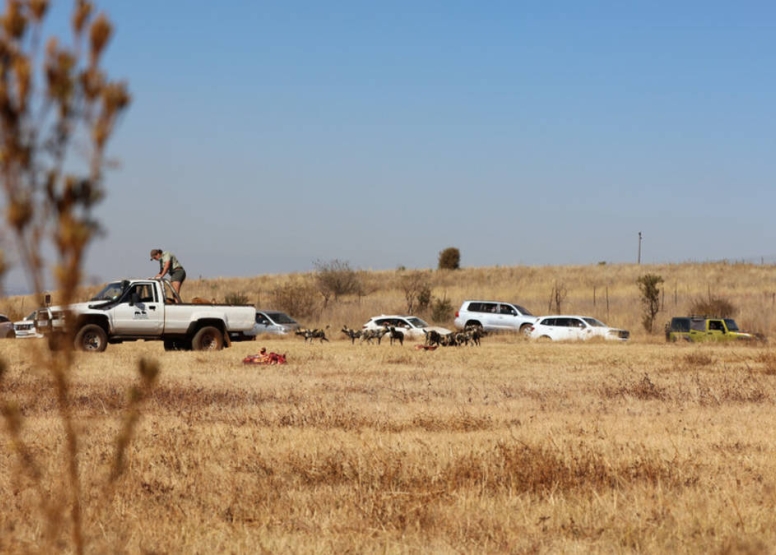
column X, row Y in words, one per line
column 262, row 319
column 281, row 318
column 549, row 322
column 731, row 324
column 417, row 322
column 508, row 310
column 716, row 325
column 4, row 318
column 595, row 323
column 698, row 325
column 524, row 311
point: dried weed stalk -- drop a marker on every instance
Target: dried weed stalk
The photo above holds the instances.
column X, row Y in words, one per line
column 58, row 109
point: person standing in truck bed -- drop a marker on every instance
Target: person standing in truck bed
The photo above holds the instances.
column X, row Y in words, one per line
column 168, row 264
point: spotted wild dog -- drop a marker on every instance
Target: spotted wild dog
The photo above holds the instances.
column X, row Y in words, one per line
column 395, row 335
column 433, row 337
column 351, row 333
column 369, row 334
column 312, row 334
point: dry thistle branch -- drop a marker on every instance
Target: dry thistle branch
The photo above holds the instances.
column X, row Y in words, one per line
column 43, row 112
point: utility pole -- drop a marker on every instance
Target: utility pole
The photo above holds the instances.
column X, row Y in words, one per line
column 639, row 259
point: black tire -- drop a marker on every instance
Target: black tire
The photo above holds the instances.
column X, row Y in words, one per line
column 91, row 338
column 208, row 338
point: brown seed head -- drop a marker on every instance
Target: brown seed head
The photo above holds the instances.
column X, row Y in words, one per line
column 14, row 21
column 81, row 15
column 22, row 69
column 99, row 35
column 38, row 9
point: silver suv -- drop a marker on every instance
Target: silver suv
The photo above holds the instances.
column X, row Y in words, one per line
column 494, row 316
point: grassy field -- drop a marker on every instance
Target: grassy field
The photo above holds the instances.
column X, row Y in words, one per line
column 511, row 447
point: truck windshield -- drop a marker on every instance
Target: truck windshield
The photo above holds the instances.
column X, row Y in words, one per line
column 111, row 292
column 731, row 324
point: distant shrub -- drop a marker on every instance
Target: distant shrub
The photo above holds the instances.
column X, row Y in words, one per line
column 336, row 278
column 650, row 298
column 300, row 300
column 557, row 296
column 713, row 306
column 450, row 259
column 236, row 298
column 417, row 291
column 441, row 310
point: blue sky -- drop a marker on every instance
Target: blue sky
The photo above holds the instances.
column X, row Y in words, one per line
column 264, row 136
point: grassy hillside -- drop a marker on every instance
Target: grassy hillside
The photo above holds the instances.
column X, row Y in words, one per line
column 606, row 291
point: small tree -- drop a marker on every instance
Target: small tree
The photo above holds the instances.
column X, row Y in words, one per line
column 450, row 259
column 336, row 278
column 650, row 298
column 557, row 296
column 298, row 299
column 417, row 291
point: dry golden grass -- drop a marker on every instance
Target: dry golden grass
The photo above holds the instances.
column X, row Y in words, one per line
column 512, row 447
column 608, row 292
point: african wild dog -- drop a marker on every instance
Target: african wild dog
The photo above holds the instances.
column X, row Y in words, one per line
column 433, row 337
column 369, row 334
column 312, row 334
column 351, row 333
column 395, row 335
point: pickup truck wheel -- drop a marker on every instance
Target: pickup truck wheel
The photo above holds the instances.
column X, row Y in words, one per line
column 208, row 339
column 91, row 338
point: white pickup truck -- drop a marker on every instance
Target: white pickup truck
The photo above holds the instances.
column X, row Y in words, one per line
column 148, row 309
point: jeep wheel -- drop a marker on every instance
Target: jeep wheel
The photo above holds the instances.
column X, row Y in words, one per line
column 208, row 339
column 91, row 338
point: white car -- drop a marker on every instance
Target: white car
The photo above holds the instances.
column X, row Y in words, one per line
column 574, row 328
column 494, row 316
column 26, row 328
column 411, row 326
column 268, row 321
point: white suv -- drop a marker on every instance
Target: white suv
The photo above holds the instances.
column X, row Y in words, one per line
column 570, row 328
column 494, row 316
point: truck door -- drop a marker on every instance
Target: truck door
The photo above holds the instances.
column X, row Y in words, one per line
column 715, row 329
column 140, row 312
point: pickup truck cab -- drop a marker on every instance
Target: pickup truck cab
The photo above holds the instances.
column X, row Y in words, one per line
column 698, row 329
column 148, row 309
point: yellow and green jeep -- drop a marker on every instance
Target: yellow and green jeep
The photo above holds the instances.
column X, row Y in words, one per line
column 700, row 328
